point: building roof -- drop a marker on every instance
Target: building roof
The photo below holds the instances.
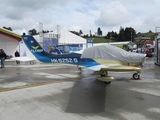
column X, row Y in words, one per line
column 10, row 34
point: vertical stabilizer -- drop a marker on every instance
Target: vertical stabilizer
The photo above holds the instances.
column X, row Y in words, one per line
column 34, row 50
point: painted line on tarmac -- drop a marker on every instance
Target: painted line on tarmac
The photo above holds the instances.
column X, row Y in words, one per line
column 37, row 84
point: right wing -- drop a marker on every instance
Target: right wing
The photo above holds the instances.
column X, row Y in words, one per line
column 114, row 67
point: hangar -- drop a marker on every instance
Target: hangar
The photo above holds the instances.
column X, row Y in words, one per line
column 9, row 41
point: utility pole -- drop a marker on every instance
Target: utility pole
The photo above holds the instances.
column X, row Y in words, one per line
column 40, row 33
column 58, row 32
column 131, row 36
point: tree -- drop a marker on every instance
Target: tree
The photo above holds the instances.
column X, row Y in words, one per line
column 139, row 33
column 99, row 31
column 9, row 28
column 32, row 32
column 109, row 35
column 121, row 36
column 127, row 35
column 80, row 32
column 112, row 35
column 74, row 32
column 115, row 35
column 43, row 31
column 130, row 34
column 85, row 36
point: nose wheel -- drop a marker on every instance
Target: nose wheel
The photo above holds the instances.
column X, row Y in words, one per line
column 136, row 76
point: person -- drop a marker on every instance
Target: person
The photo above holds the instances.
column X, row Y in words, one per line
column 2, row 57
column 147, row 51
column 17, row 55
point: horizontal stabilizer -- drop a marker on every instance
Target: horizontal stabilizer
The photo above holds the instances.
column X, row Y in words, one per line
column 23, row 59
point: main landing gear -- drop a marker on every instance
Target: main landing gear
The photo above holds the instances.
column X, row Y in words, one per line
column 136, row 76
column 105, row 78
column 108, row 79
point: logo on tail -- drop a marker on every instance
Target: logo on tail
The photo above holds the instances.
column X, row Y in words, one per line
column 35, row 47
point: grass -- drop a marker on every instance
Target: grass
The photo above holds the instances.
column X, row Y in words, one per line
column 101, row 40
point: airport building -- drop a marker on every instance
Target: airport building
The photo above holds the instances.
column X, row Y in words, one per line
column 9, row 41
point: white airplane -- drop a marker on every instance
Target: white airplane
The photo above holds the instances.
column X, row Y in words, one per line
column 100, row 59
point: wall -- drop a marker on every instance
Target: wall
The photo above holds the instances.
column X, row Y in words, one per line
column 9, row 45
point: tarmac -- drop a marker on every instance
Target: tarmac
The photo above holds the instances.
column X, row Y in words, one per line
column 59, row 91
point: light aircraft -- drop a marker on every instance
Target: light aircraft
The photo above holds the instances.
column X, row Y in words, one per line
column 100, row 59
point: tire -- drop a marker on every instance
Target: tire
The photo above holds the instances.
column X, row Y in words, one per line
column 107, row 83
column 103, row 75
column 136, row 76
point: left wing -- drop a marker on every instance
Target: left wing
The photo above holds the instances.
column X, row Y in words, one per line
column 103, row 71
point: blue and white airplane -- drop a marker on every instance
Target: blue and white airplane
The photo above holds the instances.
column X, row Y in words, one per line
column 100, row 65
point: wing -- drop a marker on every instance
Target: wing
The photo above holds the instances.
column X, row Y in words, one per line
column 114, row 67
column 23, row 59
column 99, row 67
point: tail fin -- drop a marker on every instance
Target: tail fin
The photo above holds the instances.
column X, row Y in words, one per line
column 35, row 49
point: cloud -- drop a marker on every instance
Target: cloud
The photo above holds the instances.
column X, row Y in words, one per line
column 75, row 15
column 18, row 9
column 36, row 4
column 114, row 14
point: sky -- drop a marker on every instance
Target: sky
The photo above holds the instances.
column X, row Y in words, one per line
column 75, row 15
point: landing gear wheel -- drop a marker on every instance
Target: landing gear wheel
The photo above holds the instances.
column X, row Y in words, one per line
column 136, row 76
column 107, row 83
column 103, row 75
